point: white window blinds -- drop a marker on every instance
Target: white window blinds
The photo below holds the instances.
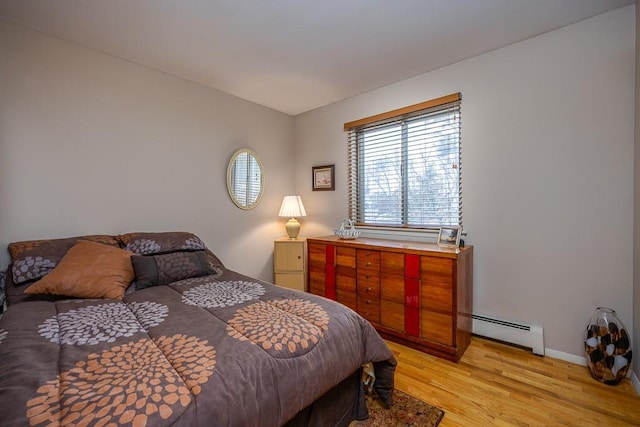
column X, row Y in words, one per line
column 405, row 166
column 246, row 179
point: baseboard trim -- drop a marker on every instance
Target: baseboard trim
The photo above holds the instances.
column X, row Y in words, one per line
column 636, row 382
column 567, row 357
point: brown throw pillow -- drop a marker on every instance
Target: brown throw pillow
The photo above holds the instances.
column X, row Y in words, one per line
column 88, row 270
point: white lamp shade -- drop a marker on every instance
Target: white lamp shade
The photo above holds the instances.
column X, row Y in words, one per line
column 292, row 207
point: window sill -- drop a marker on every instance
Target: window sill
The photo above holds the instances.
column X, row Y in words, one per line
column 424, row 235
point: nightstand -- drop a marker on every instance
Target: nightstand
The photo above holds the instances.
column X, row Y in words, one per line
column 290, row 263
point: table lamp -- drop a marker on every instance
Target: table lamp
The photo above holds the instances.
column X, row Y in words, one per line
column 292, row 208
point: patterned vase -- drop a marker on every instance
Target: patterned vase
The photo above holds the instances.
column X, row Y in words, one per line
column 607, row 347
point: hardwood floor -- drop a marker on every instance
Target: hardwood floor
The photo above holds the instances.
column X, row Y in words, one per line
column 499, row 385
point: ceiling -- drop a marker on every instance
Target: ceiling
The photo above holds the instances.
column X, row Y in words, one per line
column 293, row 55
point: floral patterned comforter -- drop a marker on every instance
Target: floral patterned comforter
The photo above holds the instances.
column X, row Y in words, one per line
column 223, row 350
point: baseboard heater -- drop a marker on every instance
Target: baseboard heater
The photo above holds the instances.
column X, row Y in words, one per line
column 529, row 336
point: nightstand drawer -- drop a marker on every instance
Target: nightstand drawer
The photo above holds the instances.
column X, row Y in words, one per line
column 291, row 280
column 289, row 256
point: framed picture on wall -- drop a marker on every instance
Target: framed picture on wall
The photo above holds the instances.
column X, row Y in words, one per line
column 449, row 237
column 324, row 178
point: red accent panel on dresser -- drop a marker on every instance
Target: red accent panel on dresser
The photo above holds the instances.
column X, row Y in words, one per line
column 411, row 292
column 412, row 321
column 330, row 254
column 412, row 266
column 411, row 302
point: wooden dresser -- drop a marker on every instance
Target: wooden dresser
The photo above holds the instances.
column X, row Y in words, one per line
column 416, row 294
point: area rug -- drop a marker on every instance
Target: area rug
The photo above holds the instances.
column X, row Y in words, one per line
column 405, row 411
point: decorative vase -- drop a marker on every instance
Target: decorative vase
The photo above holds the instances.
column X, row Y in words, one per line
column 607, row 347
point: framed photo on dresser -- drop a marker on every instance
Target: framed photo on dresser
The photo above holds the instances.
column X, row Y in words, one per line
column 449, row 237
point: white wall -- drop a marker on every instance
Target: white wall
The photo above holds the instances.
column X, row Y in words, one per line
column 90, row 143
column 547, row 137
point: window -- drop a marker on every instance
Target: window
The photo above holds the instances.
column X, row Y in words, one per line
column 405, row 166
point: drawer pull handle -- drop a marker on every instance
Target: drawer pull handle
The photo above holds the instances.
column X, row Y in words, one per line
column 368, row 263
column 367, row 276
column 369, row 288
column 368, row 301
column 299, row 257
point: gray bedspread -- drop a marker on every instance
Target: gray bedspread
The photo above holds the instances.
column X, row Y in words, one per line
column 224, row 350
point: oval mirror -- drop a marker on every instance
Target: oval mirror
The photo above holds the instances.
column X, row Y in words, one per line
column 245, row 179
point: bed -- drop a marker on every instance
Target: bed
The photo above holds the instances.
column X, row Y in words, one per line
column 152, row 329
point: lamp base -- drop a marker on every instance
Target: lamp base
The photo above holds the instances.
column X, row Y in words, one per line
column 293, row 228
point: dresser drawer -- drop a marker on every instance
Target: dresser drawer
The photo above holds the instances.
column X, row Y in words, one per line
column 436, row 270
column 368, row 259
column 392, row 263
column 436, row 327
column 369, row 308
column 317, row 253
column 392, row 315
column 369, row 276
column 437, row 296
column 368, row 288
column 346, row 279
column 347, row 298
column 317, row 278
column 346, row 257
column 392, row 287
